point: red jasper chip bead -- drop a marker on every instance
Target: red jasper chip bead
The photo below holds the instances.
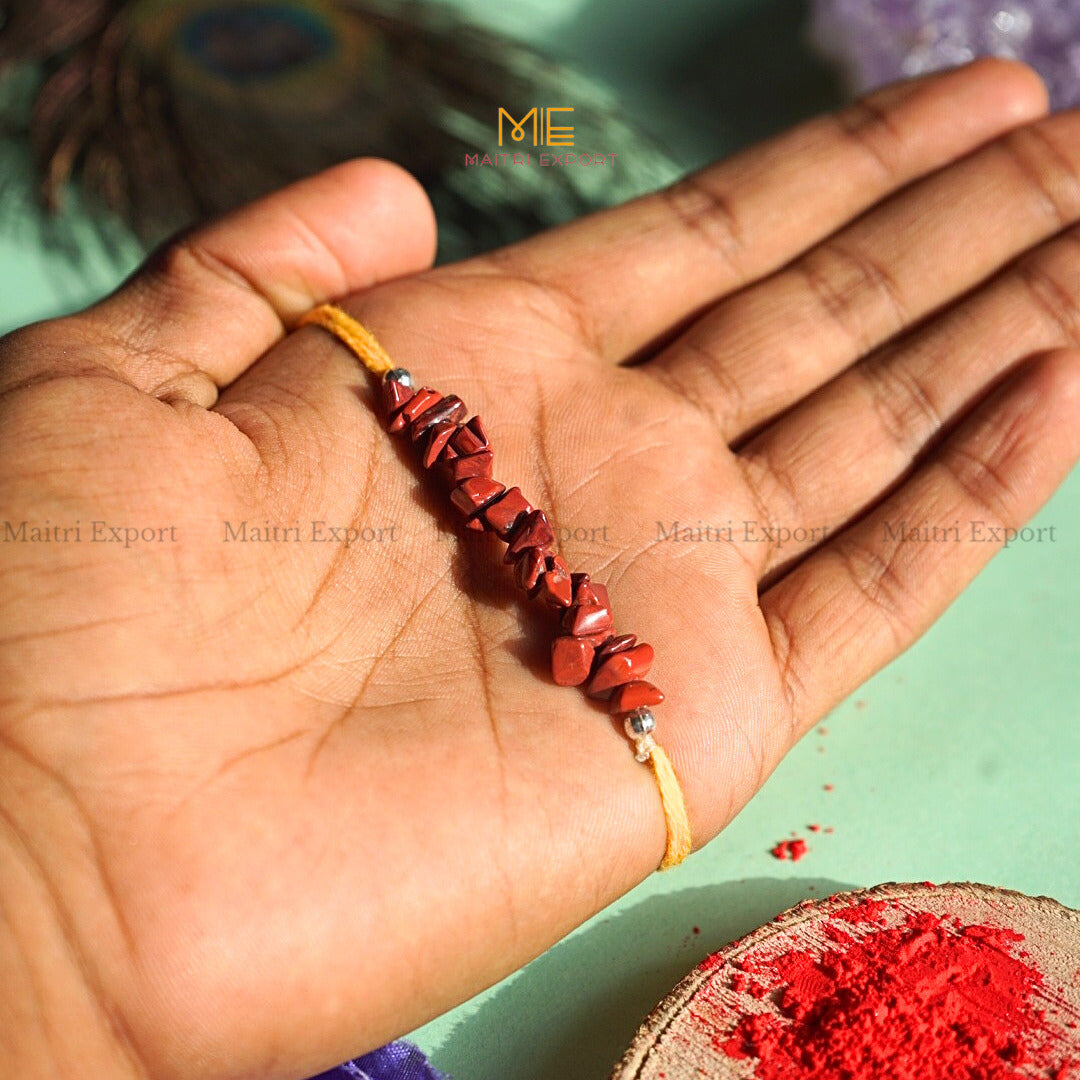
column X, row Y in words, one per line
column 505, row 512
column 529, row 568
column 616, row 644
column 620, row 668
column 472, row 495
column 395, row 394
column 449, row 409
column 555, row 587
column 571, row 660
column 590, row 619
column 471, row 438
column 588, row 593
column 479, row 464
column 634, row 695
column 418, row 403
column 437, row 437
column 593, row 594
column 534, row 531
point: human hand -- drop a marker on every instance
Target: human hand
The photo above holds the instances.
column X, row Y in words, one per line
column 266, row 805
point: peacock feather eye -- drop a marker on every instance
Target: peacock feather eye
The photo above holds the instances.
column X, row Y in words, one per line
column 293, row 56
column 246, row 42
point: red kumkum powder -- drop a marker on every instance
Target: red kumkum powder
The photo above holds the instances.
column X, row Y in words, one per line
column 789, row 849
column 927, row 997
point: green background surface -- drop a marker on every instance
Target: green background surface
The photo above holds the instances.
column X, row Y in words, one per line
column 960, row 761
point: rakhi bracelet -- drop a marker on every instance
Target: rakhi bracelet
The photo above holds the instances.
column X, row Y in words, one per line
column 588, row 653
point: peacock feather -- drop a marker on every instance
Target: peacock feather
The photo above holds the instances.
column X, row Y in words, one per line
column 168, row 111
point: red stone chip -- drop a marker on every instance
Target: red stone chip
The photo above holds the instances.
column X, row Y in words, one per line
column 451, row 409
column 587, row 620
column 471, row 465
column 529, row 568
column 555, row 587
column 421, row 400
column 571, row 660
column 534, row 531
column 505, row 512
column 620, row 668
column 594, row 594
column 438, row 436
column 475, row 493
column 471, row 438
column 634, row 695
column 395, row 394
column 617, row 644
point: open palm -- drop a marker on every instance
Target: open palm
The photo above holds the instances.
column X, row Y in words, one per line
column 269, row 799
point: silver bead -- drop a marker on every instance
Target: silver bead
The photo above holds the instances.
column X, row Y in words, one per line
column 399, row 375
column 639, row 722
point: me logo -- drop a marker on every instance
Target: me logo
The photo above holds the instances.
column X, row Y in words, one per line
column 541, row 127
column 544, row 132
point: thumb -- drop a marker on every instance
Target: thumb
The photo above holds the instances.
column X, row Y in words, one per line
column 210, row 302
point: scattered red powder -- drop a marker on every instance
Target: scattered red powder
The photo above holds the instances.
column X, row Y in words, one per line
column 697, row 929
column 790, row 849
column 890, row 1000
column 828, row 787
column 814, row 828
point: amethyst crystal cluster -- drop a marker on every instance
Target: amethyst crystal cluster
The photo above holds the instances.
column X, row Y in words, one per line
column 890, row 39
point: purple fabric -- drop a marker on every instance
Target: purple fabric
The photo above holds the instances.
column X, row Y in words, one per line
column 395, row 1061
column 890, row 39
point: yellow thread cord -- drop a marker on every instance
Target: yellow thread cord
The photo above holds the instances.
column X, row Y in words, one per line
column 361, row 342
column 352, row 334
column 678, row 823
